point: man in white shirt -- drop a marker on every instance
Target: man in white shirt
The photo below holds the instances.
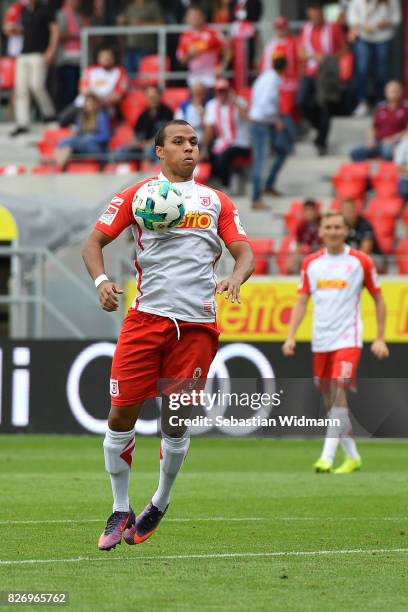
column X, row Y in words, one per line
column 269, row 128
column 226, row 130
column 335, row 277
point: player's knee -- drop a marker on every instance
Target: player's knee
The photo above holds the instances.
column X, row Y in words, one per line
column 119, row 420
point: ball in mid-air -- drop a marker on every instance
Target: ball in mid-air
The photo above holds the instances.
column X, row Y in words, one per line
column 158, row 206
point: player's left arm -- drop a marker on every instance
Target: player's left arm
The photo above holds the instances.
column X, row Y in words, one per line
column 379, row 347
column 244, row 266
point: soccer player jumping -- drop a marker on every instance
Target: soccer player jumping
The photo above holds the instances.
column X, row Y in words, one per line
column 170, row 331
column 335, row 277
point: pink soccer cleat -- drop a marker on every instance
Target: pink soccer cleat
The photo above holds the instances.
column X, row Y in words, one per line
column 144, row 525
column 115, row 526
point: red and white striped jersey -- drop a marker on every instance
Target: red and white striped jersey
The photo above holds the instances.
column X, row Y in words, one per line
column 103, row 82
column 176, row 268
column 335, row 282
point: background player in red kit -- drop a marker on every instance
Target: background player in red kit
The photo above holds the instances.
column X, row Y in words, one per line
column 335, row 277
column 170, row 330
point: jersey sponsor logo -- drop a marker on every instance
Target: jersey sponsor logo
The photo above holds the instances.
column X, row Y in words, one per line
column 109, row 215
column 195, row 220
column 114, row 387
column 331, row 283
column 205, row 201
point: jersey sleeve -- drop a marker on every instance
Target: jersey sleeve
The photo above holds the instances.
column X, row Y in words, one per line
column 122, row 82
column 118, row 216
column 371, row 280
column 181, row 51
column 85, row 78
column 230, row 228
column 304, row 284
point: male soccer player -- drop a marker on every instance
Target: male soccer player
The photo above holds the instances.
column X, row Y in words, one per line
column 170, row 331
column 335, row 277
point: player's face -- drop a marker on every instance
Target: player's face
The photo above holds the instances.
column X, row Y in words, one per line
column 180, row 150
column 333, row 232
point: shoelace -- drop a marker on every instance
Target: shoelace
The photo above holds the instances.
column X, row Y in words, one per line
column 113, row 521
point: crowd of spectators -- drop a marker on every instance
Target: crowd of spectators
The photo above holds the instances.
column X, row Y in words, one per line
column 339, row 62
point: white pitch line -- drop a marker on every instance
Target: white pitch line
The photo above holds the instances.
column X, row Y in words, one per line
column 101, row 520
column 215, row 518
column 283, row 553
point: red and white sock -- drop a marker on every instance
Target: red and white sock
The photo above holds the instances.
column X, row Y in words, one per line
column 173, row 451
column 118, row 447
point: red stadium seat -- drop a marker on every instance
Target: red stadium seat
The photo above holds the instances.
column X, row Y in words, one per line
column 150, row 167
column 384, row 229
column 150, row 69
column 355, row 169
column 384, row 205
column 286, row 249
column 202, row 172
column 347, row 186
column 133, row 104
column 386, row 167
column 122, row 137
column 7, row 72
column 12, row 170
column 50, row 140
column 174, row 96
column 263, row 249
column 401, row 256
column 83, row 167
column 121, row 168
column 404, row 216
column 44, row 169
column 385, row 182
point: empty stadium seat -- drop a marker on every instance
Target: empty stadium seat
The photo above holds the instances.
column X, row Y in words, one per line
column 355, row 169
column 150, row 69
column 286, row 249
column 346, row 186
column 174, row 96
column 202, row 172
column 133, row 104
column 401, row 256
column 263, row 249
column 385, row 182
column 150, row 167
column 121, row 168
column 7, row 72
column 384, row 229
column 49, row 141
column 12, row 170
column 83, row 167
column 384, row 205
column 122, row 137
column 44, row 169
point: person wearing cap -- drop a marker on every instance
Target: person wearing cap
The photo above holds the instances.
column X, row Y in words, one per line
column 269, row 128
column 318, row 40
column 287, row 43
column 226, row 130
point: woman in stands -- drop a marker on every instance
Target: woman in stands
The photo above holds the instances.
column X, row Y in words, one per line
column 91, row 134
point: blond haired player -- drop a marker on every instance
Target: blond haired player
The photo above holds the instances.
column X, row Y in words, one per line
column 335, row 277
column 170, row 331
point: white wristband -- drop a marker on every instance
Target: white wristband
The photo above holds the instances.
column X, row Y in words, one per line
column 100, row 279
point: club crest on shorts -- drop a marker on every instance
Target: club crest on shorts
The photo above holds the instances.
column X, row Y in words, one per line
column 114, row 387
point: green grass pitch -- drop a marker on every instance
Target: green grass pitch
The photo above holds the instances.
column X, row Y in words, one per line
column 246, row 530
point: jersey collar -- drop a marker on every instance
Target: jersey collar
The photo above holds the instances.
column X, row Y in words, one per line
column 346, row 251
column 189, row 183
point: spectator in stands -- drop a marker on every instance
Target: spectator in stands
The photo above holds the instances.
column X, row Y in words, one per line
column 361, row 234
column 40, row 40
column 70, row 21
column 221, row 11
column 201, row 47
column 389, row 125
column 12, row 28
column 401, row 160
column 149, row 122
column 139, row 13
column 372, row 28
column 245, row 13
column 107, row 80
column 321, row 44
column 92, row 133
column 307, row 235
column 226, row 130
column 288, row 44
column 269, row 129
column 192, row 110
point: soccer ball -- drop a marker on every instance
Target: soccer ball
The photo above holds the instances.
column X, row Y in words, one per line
column 158, row 206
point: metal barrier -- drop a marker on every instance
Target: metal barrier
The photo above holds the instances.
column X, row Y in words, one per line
column 27, row 288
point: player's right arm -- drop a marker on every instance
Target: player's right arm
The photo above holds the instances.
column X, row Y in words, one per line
column 93, row 257
column 296, row 317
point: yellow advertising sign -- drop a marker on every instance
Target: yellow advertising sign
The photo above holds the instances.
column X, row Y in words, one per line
column 264, row 312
